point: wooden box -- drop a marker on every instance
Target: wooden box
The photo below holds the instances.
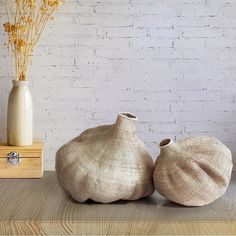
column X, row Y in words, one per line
column 21, row 162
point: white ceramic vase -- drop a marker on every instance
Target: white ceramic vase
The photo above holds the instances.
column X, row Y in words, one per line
column 20, row 115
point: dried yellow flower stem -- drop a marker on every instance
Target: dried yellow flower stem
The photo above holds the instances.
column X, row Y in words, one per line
column 24, row 27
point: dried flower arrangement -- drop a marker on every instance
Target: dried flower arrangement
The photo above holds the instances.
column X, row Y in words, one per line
column 26, row 22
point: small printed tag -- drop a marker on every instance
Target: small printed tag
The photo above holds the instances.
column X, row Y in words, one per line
column 13, row 158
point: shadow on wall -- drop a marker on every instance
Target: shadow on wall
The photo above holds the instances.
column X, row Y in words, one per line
column 3, row 109
column 229, row 125
column 6, row 69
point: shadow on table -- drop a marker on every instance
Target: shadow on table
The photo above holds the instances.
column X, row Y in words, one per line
column 151, row 200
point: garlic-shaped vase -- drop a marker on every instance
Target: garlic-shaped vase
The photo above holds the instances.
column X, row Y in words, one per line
column 194, row 171
column 106, row 164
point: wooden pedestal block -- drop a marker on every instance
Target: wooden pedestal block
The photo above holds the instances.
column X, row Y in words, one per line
column 21, row 162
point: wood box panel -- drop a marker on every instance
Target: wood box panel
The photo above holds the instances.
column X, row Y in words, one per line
column 31, row 161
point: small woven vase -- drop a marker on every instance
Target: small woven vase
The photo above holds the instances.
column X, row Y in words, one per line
column 194, row 171
column 106, row 163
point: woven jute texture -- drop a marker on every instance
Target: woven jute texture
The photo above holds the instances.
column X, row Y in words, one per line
column 194, row 171
column 106, row 163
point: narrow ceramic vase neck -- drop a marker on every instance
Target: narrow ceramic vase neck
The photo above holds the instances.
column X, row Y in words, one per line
column 20, row 83
column 168, row 145
column 126, row 122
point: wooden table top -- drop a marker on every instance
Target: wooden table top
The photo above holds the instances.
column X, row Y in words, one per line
column 39, row 206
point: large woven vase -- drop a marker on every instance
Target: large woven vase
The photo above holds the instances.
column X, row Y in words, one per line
column 106, row 163
column 194, row 171
column 20, row 115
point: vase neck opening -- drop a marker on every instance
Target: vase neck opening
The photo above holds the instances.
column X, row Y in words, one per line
column 20, row 83
column 165, row 143
column 126, row 122
column 168, row 145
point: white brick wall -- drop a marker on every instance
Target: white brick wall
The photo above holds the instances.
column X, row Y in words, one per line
column 171, row 62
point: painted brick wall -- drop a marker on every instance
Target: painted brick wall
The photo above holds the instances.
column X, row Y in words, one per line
column 171, row 62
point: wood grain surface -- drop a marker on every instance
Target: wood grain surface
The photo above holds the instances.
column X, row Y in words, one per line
column 29, row 168
column 40, row 207
column 35, row 147
column 31, row 161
